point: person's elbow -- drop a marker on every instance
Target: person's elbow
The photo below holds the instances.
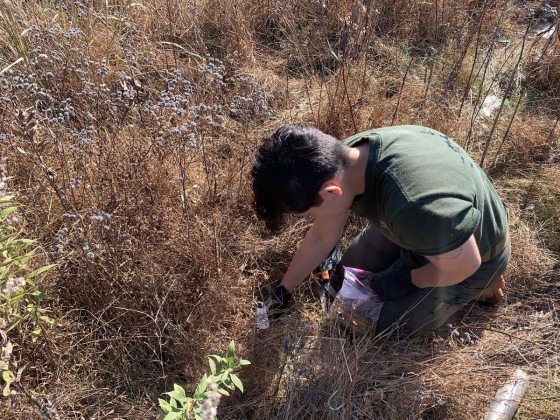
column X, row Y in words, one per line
column 466, row 268
column 472, row 266
column 459, row 264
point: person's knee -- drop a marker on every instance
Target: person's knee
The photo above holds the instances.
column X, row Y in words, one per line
column 423, row 311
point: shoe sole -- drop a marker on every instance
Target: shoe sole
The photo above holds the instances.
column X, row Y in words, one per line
column 494, row 293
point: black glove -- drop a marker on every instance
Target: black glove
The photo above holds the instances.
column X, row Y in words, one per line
column 394, row 282
column 279, row 301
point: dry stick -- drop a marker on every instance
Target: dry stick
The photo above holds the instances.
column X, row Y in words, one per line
column 343, row 62
column 485, row 65
column 216, row 246
column 395, row 114
column 476, row 111
column 330, row 100
column 476, row 108
column 508, row 89
column 182, row 165
column 242, row 164
column 508, row 127
column 304, row 59
column 476, row 51
column 307, row 89
column 370, row 23
column 183, row 175
column 288, row 93
column 424, row 82
column 206, row 165
column 436, row 26
column 551, row 135
column 64, row 164
column 348, row 96
column 170, row 23
column 431, row 66
column 510, row 83
column 490, row 50
column 335, row 95
column 364, row 30
column 432, row 60
column 308, row 93
column 457, row 65
column 318, row 120
column 50, row 176
column 548, row 43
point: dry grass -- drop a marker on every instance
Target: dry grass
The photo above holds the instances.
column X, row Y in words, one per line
column 317, row 371
column 167, row 102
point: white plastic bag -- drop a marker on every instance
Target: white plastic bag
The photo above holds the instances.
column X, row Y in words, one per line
column 261, row 318
column 356, row 306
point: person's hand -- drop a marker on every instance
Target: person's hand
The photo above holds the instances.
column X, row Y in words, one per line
column 278, row 302
column 394, row 282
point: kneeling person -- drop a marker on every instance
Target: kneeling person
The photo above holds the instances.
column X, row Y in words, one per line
column 437, row 234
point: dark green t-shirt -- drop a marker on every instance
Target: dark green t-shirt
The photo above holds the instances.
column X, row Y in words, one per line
column 425, row 193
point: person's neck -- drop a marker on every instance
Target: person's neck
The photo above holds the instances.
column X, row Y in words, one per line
column 354, row 175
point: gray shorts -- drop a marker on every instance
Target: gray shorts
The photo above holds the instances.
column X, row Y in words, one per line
column 427, row 308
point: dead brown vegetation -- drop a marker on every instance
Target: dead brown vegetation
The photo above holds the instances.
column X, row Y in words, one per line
column 167, row 103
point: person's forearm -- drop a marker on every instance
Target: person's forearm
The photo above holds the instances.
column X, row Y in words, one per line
column 309, row 255
column 430, row 276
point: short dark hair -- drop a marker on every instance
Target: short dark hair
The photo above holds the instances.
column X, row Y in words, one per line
column 289, row 169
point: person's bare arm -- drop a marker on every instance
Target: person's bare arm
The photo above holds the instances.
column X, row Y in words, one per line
column 449, row 268
column 319, row 240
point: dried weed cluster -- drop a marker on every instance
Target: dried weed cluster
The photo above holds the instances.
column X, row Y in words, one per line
column 128, row 128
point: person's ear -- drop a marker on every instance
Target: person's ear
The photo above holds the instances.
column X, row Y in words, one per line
column 330, row 189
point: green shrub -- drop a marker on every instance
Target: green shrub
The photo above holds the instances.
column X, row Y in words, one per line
column 20, row 298
column 204, row 402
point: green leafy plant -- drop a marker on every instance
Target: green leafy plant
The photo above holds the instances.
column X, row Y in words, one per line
column 203, row 403
column 20, row 297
